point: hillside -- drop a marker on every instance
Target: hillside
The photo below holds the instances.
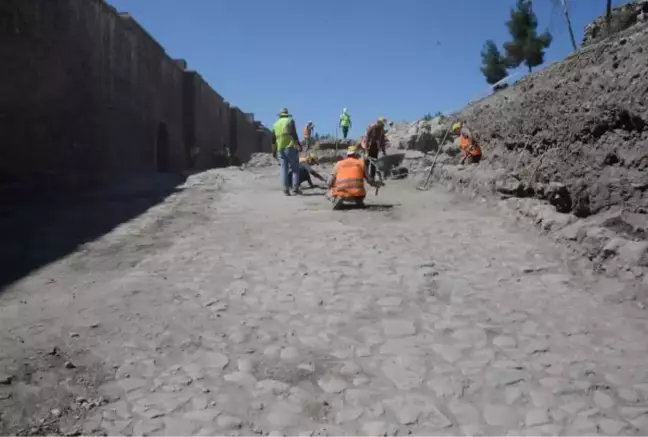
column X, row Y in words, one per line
column 574, row 134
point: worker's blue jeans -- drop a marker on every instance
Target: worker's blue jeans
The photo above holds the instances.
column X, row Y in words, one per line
column 289, row 160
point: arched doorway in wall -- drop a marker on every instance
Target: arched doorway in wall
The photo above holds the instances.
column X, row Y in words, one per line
column 163, row 162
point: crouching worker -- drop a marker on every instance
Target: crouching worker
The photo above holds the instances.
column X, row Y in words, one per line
column 305, row 169
column 347, row 180
column 471, row 151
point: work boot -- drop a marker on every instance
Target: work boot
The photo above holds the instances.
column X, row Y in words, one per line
column 287, row 192
column 296, row 192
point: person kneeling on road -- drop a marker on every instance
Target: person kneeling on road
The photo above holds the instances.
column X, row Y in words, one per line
column 305, row 169
column 347, row 179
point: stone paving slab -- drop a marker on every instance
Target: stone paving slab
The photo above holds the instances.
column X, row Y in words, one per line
column 277, row 316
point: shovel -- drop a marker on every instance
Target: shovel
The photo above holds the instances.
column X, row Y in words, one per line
column 424, row 186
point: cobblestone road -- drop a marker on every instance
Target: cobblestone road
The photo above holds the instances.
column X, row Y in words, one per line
column 247, row 312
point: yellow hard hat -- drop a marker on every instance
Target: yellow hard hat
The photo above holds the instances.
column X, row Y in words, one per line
column 312, row 156
column 382, row 120
column 456, row 126
column 352, row 150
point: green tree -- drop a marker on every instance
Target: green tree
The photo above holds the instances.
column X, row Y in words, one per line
column 493, row 63
column 526, row 46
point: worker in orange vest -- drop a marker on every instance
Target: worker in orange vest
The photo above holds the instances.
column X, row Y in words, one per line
column 471, row 151
column 308, row 134
column 347, row 180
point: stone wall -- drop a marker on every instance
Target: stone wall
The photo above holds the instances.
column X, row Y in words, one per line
column 205, row 126
column 88, row 97
column 243, row 135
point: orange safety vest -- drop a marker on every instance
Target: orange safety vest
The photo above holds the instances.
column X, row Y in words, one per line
column 465, row 143
column 349, row 178
column 307, row 131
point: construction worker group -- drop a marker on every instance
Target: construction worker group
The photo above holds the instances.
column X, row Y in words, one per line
column 347, row 181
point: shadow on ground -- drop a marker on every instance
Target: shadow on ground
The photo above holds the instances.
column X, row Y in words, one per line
column 378, row 206
column 35, row 233
column 367, row 207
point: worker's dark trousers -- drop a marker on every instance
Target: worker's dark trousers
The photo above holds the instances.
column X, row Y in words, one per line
column 304, row 176
column 372, row 154
column 345, row 131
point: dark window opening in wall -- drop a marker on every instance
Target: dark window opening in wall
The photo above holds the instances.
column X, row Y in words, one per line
column 163, row 161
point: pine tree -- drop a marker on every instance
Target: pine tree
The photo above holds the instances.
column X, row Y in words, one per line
column 526, row 47
column 493, row 63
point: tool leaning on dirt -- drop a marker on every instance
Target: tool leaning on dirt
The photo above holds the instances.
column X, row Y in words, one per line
column 468, row 144
column 424, row 185
column 347, row 180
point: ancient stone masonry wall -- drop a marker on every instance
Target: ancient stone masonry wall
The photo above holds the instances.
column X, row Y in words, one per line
column 243, row 137
column 206, row 125
column 88, row 97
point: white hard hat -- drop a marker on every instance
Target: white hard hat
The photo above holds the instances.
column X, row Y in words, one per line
column 344, row 110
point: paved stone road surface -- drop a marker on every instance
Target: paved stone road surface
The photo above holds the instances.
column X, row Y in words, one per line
column 246, row 312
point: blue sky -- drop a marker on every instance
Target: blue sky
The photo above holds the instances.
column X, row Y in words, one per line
column 399, row 59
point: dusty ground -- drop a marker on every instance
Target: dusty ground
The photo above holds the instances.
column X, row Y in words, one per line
column 241, row 311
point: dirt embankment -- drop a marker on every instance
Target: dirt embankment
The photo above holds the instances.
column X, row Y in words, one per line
column 581, row 123
column 575, row 136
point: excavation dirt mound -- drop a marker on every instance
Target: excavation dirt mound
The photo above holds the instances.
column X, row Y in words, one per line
column 261, row 160
column 574, row 135
column 580, row 123
column 622, row 18
column 333, row 144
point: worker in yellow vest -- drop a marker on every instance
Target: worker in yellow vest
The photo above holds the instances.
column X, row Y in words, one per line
column 285, row 144
column 345, row 123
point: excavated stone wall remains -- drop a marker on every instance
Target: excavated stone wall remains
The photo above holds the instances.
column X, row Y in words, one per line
column 88, row 97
